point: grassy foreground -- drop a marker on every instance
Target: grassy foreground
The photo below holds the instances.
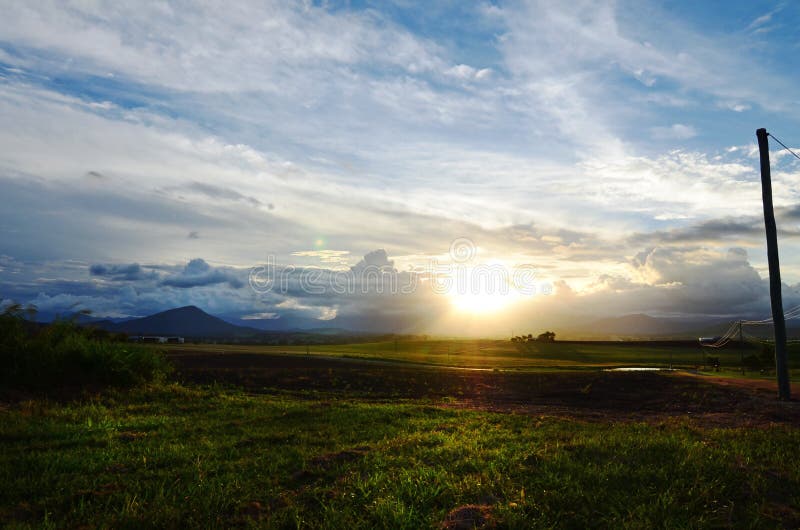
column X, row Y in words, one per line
column 172, row 456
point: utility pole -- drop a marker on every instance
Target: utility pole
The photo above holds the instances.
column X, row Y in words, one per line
column 781, row 365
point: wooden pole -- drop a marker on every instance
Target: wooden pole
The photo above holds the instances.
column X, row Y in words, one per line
column 781, row 367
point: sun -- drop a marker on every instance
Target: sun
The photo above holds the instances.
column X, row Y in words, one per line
column 481, row 299
column 480, row 303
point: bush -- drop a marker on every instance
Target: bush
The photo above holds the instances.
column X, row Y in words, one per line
column 765, row 359
column 64, row 354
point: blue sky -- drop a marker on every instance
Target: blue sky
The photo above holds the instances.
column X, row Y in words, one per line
column 610, row 145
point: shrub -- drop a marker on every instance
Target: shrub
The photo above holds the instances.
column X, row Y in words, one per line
column 64, row 354
column 765, row 359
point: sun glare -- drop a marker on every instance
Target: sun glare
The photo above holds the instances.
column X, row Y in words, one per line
column 481, row 299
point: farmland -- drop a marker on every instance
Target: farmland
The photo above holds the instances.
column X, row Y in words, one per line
column 505, row 355
column 248, row 436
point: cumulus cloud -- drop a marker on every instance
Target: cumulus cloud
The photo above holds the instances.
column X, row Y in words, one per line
column 377, row 259
column 198, row 273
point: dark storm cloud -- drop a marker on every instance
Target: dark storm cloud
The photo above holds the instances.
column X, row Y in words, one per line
column 715, row 230
column 712, row 230
column 128, row 272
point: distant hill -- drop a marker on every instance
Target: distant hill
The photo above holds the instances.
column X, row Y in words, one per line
column 645, row 327
column 640, row 326
column 189, row 321
column 643, row 324
column 193, row 322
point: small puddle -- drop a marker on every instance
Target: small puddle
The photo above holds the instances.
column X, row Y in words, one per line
column 639, row 369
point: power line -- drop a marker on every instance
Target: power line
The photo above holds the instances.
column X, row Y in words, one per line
column 731, row 332
column 725, row 338
column 792, row 313
column 784, row 146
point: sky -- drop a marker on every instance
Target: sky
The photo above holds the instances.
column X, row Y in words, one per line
column 173, row 153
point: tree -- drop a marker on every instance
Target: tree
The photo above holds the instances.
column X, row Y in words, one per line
column 547, row 336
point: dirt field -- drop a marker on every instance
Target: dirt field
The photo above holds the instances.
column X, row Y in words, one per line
column 591, row 395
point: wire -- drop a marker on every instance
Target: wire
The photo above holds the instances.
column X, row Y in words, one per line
column 725, row 338
column 789, row 314
column 784, row 146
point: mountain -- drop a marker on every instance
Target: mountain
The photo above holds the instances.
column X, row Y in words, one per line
column 189, row 321
column 640, row 326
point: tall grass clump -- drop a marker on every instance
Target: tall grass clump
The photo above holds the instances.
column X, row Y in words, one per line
column 63, row 354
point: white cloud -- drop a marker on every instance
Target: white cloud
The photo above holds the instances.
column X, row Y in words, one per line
column 677, row 131
column 213, row 46
column 468, row 73
column 261, row 316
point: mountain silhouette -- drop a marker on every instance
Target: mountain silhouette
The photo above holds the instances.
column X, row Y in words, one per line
column 188, row 321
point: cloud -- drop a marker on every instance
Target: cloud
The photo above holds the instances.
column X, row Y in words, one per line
column 712, row 231
column 468, row 73
column 377, row 260
column 677, row 131
column 217, row 192
column 368, row 133
column 261, row 316
column 129, row 272
column 10, row 265
column 330, row 257
column 759, row 22
column 320, row 312
column 198, row 273
column 211, row 47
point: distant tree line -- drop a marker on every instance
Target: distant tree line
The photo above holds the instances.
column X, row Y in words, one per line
column 547, row 336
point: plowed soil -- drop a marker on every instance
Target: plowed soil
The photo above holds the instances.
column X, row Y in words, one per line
column 590, row 395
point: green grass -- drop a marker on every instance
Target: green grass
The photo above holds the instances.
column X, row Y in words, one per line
column 503, row 354
column 171, row 456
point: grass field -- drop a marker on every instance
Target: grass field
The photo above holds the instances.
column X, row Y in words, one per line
column 179, row 457
column 505, row 355
column 273, row 438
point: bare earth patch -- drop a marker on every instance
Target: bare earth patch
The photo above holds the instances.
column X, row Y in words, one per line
column 468, row 517
column 587, row 395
